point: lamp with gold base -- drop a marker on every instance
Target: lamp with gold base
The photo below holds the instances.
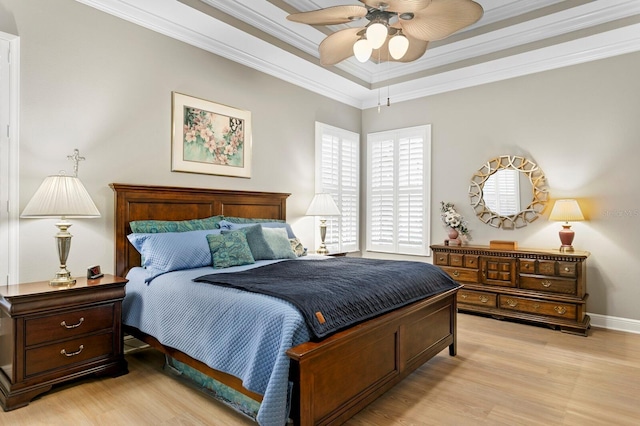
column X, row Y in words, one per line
column 61, row 197
column 323, row 205
column 566, row 211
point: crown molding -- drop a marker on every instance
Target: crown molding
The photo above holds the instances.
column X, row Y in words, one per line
column 181, row 22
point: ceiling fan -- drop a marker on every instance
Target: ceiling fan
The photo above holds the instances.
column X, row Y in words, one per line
column 398, row 30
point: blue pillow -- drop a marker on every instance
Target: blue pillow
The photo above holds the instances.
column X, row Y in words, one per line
column 258, row 245
column 172, row 251
column 230, row 249
column 279, row 243
column 225, row 224
column 153, row 226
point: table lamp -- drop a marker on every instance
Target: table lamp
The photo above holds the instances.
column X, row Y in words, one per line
column 61, row 197
column 323, row 205
column 566, row 211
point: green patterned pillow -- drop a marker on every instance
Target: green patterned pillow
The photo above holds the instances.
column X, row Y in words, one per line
column 257, row 243
column 156, row 226
column 230, row 249
column 233, row 219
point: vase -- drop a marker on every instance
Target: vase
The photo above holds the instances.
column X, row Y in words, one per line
column 453, row 233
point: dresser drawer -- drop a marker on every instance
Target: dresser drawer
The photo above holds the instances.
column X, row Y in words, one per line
column 470, row 297
column 567, row 269
column 68, row 324
column 63, row 354
column 462, row 274
column 456, row 259
column 538, row 307
column 441, row 259
column 548, row 285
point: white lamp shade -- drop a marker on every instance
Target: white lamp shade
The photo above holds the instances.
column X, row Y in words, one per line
column 566, row 211
column 398, row 46
column 377, row 34
column 61, row 196
column 362, row 50
column 323, row 205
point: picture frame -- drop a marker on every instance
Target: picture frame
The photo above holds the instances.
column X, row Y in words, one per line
column 210, row 138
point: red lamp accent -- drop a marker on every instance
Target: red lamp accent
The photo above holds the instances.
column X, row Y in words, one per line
column 566, row 211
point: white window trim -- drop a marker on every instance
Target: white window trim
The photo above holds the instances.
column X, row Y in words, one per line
column 10, row 162
column 424, row 250
column 321, row 129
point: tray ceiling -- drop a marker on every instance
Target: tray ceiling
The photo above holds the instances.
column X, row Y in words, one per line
column 513, row 38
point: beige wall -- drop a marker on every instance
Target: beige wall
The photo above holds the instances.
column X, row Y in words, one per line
column 100, row 84
column 580, row 124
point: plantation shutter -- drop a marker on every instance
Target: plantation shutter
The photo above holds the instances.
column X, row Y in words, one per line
column 337, row 171
column 397, row 214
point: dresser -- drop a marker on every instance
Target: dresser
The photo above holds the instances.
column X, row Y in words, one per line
column 542, row 286
column 49, row 335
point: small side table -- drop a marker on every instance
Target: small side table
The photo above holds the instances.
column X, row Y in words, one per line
column 50, row 335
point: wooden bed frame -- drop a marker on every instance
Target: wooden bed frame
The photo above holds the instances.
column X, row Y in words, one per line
column 334, row 378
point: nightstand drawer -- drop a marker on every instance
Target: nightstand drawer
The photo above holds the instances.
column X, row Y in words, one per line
column 479, row 298
column 548, row 285
column 68, row 324
column 462, row 274
column 62, row 354
column 539, row 307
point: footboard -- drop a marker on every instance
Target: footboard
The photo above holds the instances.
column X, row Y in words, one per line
column 340, row 375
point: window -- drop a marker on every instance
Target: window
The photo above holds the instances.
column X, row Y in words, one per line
column 338, row 173
column 398, row 163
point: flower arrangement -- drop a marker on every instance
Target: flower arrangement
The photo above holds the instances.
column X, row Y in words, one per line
column 452, row 219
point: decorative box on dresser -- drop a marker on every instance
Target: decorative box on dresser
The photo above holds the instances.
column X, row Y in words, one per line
column 542, row 286
column 49, row 335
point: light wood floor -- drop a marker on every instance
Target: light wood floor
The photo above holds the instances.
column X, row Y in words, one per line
column 505, row 373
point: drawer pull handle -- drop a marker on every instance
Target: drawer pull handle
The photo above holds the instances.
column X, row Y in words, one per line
column 64, row 324
column 546, row 283
column 483, row 299
column 536, row 306
column 456, row 273
column 560, row 309
column 441, row 259
column 64, row 352
column 512, row 303
column 566, row 269
column 464, row 296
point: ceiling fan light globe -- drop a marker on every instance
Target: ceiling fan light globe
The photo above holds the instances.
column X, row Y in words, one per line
column 376, row 34
column 398, row 46
column 362, row 50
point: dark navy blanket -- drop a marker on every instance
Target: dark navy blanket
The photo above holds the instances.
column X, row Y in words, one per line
column 340, row 292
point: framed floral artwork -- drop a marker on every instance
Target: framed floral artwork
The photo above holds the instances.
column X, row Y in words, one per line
column 209, row 138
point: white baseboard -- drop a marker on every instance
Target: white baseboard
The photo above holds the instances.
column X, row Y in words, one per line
column 615, row 323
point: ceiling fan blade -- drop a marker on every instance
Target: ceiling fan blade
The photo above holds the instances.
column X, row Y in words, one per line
column 329, row 16
column 416, row 49
column 441, row 19
column 338, row 46
column 399, row 6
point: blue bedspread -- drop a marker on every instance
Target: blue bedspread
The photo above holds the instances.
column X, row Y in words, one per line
column 252, row 331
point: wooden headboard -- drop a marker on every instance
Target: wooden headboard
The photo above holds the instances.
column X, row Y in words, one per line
column 143, row 202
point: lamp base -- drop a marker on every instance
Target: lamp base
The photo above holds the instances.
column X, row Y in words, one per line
column 63, row 278
column 566, row 238
column 322, row 250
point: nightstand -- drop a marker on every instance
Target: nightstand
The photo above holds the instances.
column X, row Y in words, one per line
column 49, row 335
column 338, row 254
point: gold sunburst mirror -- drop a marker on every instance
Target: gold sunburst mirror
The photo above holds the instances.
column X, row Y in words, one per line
column 508, row 192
